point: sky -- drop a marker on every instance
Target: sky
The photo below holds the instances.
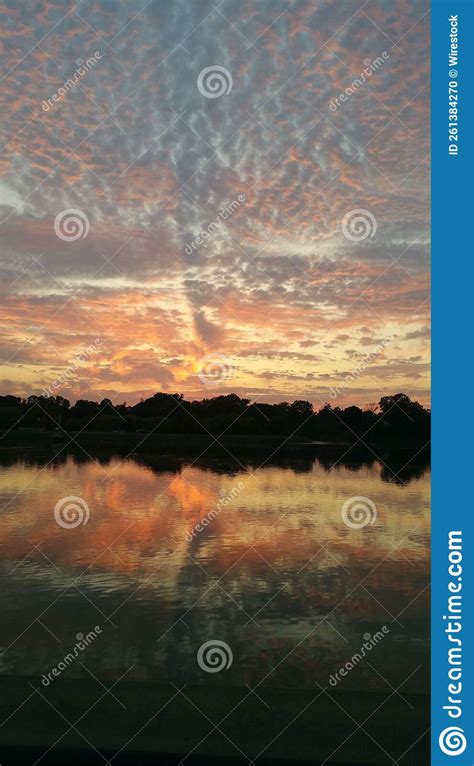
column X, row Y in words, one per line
column 214, row 197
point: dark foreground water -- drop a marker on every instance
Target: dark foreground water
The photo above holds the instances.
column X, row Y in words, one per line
column 291, row 569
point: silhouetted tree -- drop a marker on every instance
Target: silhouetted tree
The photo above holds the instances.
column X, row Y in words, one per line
column 399, row 418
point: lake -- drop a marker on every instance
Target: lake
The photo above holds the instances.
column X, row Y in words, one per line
column 291, row 568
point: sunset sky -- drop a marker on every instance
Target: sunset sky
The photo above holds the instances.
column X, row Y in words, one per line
column 277, row 290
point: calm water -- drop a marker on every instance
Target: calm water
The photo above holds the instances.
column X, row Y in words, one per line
column 276, row 574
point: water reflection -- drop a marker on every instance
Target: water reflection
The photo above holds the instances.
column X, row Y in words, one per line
column 275, row 572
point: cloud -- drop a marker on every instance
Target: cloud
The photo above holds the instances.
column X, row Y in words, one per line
column 151, row 162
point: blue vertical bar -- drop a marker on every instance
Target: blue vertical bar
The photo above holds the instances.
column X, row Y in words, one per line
column 452, row 675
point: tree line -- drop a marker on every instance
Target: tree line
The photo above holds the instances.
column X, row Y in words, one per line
column 396, row 416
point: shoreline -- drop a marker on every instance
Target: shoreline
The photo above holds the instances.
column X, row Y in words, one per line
column 148, row 443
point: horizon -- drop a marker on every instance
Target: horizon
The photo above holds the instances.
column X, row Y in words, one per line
column 372, row 407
